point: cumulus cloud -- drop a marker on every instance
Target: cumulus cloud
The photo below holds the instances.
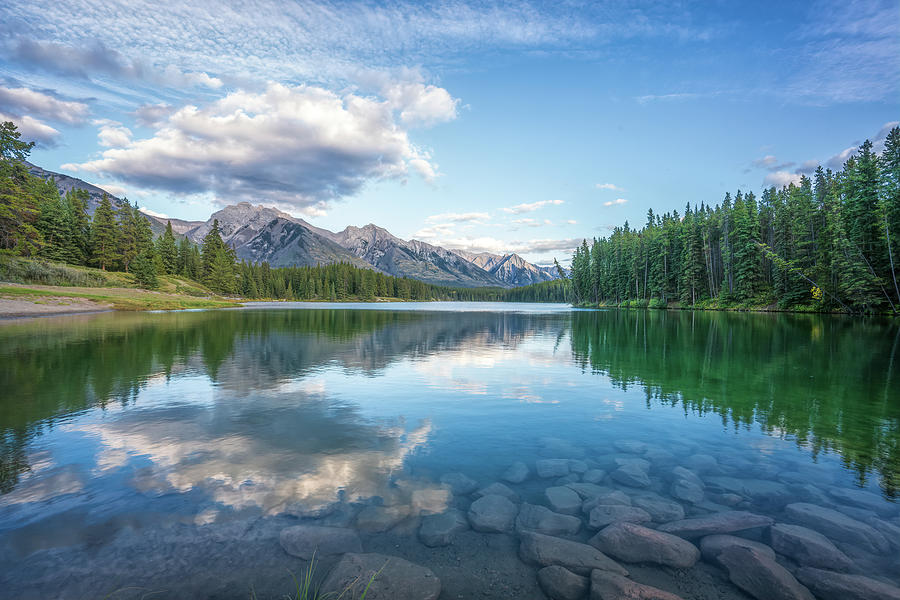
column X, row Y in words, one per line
column 300, row 146
column 153, row 115
column 420, row 104
column 530, row 207
column 779, row 179
column 112, row 134
column 615, row 202
column 33, row 130
column 459, row 217
column 609, row 186
column 571, row 222
column 37, row 104
column 153, row 213
column 765, row 162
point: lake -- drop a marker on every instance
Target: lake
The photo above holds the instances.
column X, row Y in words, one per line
column 167, row 453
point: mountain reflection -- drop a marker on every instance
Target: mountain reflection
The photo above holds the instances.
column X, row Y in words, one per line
column 266, row 436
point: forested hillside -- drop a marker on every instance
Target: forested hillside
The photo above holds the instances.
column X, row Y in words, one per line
column 828, row 243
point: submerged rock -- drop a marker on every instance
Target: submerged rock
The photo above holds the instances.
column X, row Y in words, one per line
column 438, row 530
column 588, row 490
column 862, row 499
column 578, row 466
column 552, row 467
column 660, row 509
column 606, row 498
column 304, row 541
column 829, row 585
column 760, row 576
column 809, row 548
column 634, row 543
column 610, row 586
column 837, row 526
column 387, row 578
column 687, row 491
column 632, row 475
column 493, row 514
column 723, row 522
column 541, row 519
column 547, row 551
column 630, row 446
column 701, row 463
column 516, row 473
column 593, row 476
column 713, row 545
column 460, row 483
column 603, row 515
column 563, row 499
column 497, row 489
column 560, row 583
column 377, row 519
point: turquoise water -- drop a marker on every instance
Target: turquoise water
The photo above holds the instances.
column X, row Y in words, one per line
column 165, row 452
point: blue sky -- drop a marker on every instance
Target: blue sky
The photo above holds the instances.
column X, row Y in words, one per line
column 501, row 126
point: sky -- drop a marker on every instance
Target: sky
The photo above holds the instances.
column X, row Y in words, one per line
column 484, row 126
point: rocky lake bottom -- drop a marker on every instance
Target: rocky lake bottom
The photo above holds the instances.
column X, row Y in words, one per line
column 495, row 455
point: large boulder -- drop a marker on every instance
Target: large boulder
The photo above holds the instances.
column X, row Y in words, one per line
column 563, row 499
column 610, row 586
column 541, row 519
column 727, row 521
column 304, row 541
column 387, row 578
column 498, row 489
column 712, row 546
column 588, row 490
column 636, row 544
column 809, row 548
column 593, row 476
column 760, row 576
column 560, row 583
column 828, row 585
column 547, row 550
column 438, row 530
column 837, row 526
column 687, row 491
column 493, row 514
column 606, row 498
column 602, row 515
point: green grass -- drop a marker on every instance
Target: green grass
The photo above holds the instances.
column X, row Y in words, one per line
column 304, row 590
column 117, row 298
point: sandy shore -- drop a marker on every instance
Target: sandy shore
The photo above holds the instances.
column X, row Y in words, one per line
column 46, row 307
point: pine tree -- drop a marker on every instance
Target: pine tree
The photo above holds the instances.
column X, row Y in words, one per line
column 104, row 235
column 167, row 250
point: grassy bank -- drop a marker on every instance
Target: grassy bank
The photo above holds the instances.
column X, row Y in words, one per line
column 714, row 305
column 58, row 285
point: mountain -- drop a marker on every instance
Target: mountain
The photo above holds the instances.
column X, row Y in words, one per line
column 511, row 269
column 265, row 234
column 413, row 258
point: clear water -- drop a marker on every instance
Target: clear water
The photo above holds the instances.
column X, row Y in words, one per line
column 163, row 453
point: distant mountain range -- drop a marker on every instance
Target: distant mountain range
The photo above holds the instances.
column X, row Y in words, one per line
column 260, row 233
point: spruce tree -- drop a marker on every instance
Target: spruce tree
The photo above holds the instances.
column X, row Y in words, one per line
column 104, row 235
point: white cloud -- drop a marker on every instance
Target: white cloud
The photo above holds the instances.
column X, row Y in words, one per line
column 32, row 130
column 153, row 213
column 667, row 97
column 765, row 162
column 301, row 146
column 572, row 222
column 112, row 134
column 36, row 104
column 524, row 208
column 609, row 186
column 779, row 179
column 459, row 217
column 615, row 202
column 420, row 104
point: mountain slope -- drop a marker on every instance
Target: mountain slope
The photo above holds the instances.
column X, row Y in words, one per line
column 263, row 234
column 414, row 258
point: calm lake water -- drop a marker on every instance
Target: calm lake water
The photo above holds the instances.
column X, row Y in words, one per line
column 164, row 453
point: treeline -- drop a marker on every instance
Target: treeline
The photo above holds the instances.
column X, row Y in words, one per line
column 828, row 243
column 35, row 221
